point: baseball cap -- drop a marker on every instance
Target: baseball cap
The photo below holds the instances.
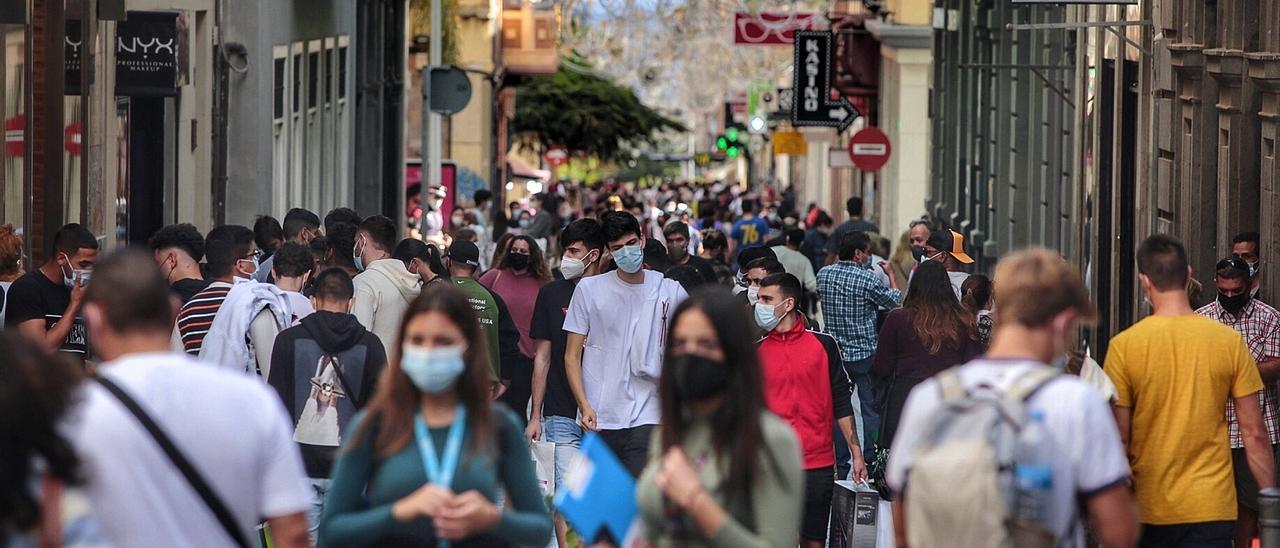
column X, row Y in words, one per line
column 464, row 251
column 951, row 242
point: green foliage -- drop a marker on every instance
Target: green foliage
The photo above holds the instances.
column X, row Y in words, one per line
column 583, row 112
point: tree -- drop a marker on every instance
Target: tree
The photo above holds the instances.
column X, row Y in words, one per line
column 584, row 112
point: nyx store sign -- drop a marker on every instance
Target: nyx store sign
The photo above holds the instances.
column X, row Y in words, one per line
column 148, row 55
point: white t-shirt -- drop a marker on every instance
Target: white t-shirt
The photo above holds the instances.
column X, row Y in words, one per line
column 626, row 328
column 957, row 280
column 232, row 429
column 300, row 305
column 1077, row 419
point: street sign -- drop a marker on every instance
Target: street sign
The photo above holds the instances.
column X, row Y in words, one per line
column 870, row 149
column 448, row 91
column 812, row 104
column 790, row 143
column 556, row 156
column 770, row 28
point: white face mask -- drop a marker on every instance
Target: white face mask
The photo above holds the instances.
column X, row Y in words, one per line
column 572, row 268
column 753, row 294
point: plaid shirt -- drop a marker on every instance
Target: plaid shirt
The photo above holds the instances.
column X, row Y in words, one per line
column 1259, row 324
column 850, row 296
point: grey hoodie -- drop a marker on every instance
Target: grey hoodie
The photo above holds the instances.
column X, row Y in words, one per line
column 383, row 292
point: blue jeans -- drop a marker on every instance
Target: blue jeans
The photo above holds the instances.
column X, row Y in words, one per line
column 567, row 435
column 321, row 488
column 860, row 375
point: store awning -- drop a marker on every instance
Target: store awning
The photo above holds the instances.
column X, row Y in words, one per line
column 521, row 170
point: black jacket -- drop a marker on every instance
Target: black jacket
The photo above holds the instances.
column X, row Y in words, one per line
column 324, row 370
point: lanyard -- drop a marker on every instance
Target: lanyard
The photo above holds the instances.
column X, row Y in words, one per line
column 441, row 473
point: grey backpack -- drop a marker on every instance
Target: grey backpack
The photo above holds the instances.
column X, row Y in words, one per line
column 961, row 484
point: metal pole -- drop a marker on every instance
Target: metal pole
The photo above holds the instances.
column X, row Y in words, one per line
column 1269, row 517
column 433, row 120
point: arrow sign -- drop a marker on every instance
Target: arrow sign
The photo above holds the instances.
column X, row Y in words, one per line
column 812, row 104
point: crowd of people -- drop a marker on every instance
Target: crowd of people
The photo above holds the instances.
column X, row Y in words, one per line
column 338, row 381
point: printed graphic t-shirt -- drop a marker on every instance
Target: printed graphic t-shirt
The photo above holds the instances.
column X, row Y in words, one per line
column 34, row 297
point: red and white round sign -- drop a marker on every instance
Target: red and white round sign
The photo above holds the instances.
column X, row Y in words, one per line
column 556, row 156
column 870, row 149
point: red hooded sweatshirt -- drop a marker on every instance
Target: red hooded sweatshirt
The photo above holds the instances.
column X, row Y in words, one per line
column 805, row 384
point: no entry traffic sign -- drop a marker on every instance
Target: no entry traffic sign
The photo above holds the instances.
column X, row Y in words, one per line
column 870, row 149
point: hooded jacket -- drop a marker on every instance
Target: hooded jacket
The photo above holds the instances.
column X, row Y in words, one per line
column 383, row 292
column 324, row 369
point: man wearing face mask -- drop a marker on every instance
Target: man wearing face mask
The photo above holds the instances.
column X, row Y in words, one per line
column 1174, row 373
column 384, row 286
column 44, row 304
column 1259, row 324
column 231, row 255
column 797, row 362
column 555, row 411
column 757, row 271
column 947, row 247
column 748, row 256
column 616, row 328
column 250, row 311
column 677, row 235
column 178, row 250
column 1247, row 246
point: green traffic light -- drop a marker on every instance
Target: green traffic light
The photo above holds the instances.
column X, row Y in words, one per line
column 732, row 133
column 722, row 143
column 732, row 152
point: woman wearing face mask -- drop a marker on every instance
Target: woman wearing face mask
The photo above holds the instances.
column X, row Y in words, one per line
column 723, row 471
column 422, row 259
column 430, row 454
column 930, row 333
column 517, row 280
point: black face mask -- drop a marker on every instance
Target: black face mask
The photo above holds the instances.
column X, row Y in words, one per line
column 677, row 253
column 1234, row 304
column 917, row 252
column 698, row 378
column 518, row 261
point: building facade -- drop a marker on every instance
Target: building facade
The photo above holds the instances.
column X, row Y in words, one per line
column 1086, row 128
column 126, row 115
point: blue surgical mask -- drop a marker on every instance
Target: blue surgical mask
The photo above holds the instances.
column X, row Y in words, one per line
column 76, row 274
column 629, row 259
column 766, row 316
column 432, row 370
column 355, row 257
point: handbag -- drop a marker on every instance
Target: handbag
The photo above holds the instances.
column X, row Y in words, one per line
column 180, row 462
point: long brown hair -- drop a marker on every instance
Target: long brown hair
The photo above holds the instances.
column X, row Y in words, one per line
column 933, row 309
column 500, row 249
column 392, row 410
column 537, row 259
column 738, row 435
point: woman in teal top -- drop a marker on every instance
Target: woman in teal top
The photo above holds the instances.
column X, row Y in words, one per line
column 430, row 452
column 723, row 471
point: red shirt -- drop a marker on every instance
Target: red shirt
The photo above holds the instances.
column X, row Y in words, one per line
column 805, row 384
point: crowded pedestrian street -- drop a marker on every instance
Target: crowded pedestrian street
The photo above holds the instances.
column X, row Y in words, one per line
column 640, row 273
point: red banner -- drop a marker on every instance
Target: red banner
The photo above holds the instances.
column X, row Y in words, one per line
column 770, row 28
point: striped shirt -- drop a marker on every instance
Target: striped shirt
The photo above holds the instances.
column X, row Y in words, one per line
column 196, row 316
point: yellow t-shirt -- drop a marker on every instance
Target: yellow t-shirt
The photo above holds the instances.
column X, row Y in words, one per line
column 1176, row 373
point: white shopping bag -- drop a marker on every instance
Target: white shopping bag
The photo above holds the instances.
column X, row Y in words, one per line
column 544, row 464
column 884, row 526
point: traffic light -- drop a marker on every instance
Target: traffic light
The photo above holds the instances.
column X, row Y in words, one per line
column 731, row 143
